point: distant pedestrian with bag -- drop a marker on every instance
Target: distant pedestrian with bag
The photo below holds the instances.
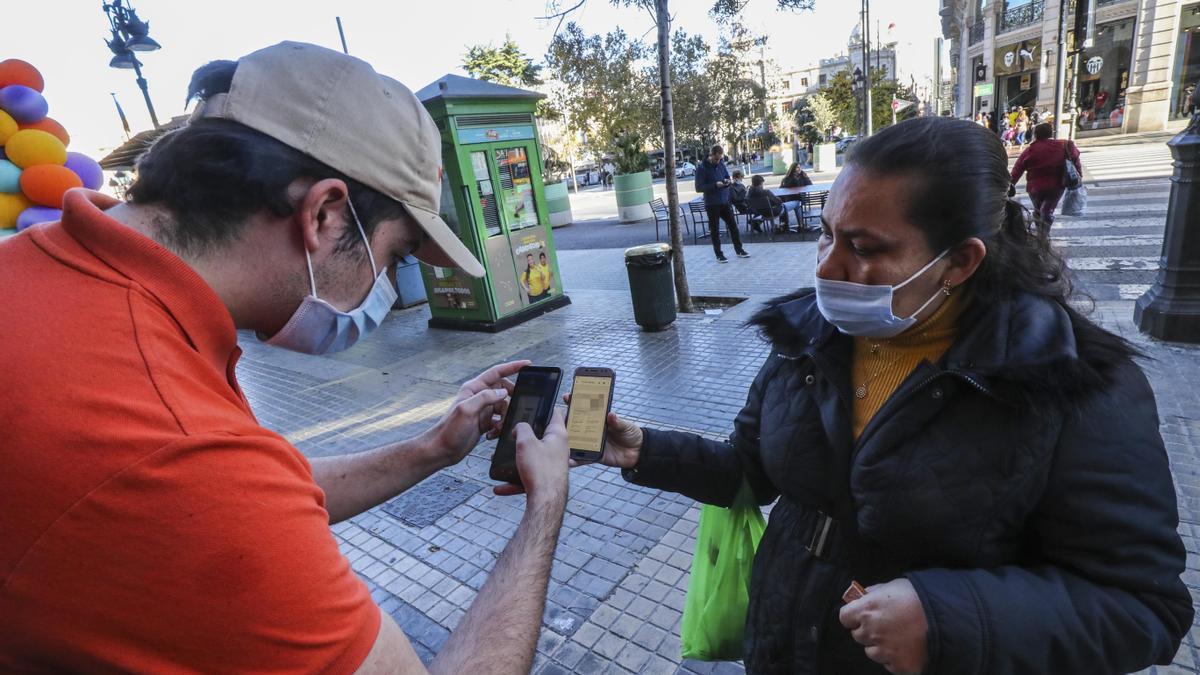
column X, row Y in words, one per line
column 713, row 180
column 1045, row 163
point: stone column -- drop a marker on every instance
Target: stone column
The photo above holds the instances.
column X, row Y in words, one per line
column 1147, row 100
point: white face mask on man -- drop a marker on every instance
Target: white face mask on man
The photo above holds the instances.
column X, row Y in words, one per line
column 317, row 327
column 865, row 310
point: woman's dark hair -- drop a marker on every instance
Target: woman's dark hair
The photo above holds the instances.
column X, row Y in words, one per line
column 959, row 189
column 960, row 184
column 1043, row 131
column 213, row 174
column 792, row 169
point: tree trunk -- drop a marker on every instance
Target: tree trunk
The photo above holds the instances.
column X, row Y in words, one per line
column 682, row 293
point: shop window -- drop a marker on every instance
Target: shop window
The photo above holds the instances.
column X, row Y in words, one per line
column 1104, row 76
column 1184, row 95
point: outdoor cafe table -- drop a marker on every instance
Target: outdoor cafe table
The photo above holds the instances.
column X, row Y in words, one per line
column 785, row 194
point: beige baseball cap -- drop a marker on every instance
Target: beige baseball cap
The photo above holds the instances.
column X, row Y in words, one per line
column 337, row 109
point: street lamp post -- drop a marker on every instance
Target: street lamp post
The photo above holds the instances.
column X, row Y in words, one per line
column 1170, row 310
column 856, row 84
column 130, row 34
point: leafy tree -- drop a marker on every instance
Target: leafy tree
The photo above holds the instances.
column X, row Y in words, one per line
column 815, row 117
column 505, row 65
column 509, row 66
column 605, row 91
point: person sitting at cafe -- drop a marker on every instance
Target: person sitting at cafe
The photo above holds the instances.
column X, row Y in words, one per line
column 763, row 205
column 737, row 193
column 795, row 178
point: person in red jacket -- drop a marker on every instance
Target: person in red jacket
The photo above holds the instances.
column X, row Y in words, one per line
column 1043, row 161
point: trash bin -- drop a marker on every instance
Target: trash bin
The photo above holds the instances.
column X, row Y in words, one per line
column 651, row 285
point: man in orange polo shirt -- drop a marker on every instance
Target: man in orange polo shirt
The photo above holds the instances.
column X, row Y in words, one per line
column 148, row 523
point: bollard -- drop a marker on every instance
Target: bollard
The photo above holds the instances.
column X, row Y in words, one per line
column 1170, row 310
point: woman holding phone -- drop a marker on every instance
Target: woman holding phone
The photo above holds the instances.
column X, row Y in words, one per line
column 936, row 422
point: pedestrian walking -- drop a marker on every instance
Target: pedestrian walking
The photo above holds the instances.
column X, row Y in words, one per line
column 712, row 179
column 150, row 523
column 1044, row 161
column 938, row 423
column 1022, row 127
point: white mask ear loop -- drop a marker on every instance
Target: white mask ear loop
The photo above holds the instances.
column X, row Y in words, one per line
column 370, row 255
column 920, row 272
column 312, row 280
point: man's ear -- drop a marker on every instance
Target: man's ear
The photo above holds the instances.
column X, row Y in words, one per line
column 321, row 213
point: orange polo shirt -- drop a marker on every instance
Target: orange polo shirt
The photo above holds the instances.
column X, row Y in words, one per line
column 147, row 521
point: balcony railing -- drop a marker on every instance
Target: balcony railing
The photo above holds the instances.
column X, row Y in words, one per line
column 1102, row 3
column 1022, row 15
column 976, row 35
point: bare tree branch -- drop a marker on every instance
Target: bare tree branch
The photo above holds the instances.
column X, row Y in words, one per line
column 561, row 16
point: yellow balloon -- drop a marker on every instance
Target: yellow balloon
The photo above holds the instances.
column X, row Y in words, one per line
column 30, row 147
column 11, row 206
column 8, row 127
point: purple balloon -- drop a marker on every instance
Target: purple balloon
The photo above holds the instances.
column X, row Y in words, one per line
column 24, row 104
column 87, row 169
column 37, row 214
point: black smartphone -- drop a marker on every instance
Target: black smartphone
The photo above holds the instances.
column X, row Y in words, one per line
column 591, row 399
column 532, row 402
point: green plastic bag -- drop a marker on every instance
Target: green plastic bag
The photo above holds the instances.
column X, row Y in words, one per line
column 714, row 616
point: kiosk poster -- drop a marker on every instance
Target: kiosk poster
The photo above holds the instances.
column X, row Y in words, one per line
column 535, row 271
column 451, row 290
column 509, row 297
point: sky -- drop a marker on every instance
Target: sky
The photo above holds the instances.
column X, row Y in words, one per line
column 414, row 42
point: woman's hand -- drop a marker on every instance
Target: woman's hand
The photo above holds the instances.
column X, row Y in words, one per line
column 890, row 623
column 623, row 444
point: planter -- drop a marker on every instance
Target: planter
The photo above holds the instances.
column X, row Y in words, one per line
column 634, row 192
column 782, row 160
column 559, row 204
column 825, row 157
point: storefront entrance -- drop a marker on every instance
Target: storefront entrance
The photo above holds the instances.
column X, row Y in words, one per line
column 1016, row 68
column 1104, row 76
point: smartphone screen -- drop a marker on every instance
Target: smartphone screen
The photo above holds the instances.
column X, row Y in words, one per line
column 591, row 399
column 533, row 403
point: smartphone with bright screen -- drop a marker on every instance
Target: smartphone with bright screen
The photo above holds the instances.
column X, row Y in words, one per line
column 591, row 399
column 532, row 402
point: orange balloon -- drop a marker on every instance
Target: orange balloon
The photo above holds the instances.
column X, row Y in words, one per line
column 11, row 206
column 51, row 127
column 16, row 71
column 45, row 184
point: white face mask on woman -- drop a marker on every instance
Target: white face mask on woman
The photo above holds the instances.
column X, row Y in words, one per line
column 865, row 310
column 317, row 327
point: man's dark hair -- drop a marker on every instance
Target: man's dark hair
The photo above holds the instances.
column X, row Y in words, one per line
column 717, row 150
column 213, row 174
column 738, row 173
column 1043, row 131
column 757, row 180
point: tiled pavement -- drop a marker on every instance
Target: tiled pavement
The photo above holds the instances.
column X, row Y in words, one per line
column 621, row 569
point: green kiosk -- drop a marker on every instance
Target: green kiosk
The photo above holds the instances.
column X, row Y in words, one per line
column 494, row 199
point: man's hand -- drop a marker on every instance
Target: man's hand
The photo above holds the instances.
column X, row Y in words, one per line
column 890, row 622
column 478, row 409
column 541, row 463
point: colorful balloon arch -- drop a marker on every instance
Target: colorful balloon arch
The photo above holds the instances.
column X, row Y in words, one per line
column 36, row 169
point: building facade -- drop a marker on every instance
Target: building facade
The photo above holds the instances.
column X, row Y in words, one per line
column 1138, row 74
column 800, row 82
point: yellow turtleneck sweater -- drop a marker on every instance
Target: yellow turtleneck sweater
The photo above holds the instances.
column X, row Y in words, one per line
column 880, row 365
